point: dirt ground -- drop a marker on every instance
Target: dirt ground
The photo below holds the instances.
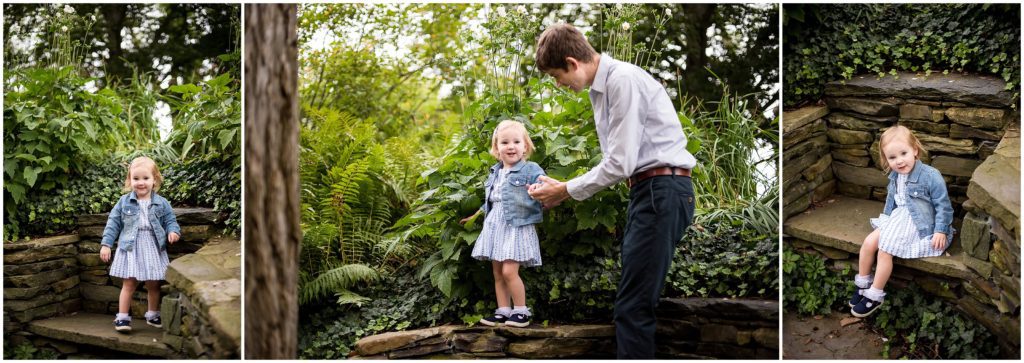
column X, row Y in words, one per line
column 825, row 337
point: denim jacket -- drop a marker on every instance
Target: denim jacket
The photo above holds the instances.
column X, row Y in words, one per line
column 123, row 221
column 518, row 207
column 928, row 201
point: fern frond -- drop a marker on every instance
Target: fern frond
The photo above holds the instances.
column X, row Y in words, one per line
column 336, row 280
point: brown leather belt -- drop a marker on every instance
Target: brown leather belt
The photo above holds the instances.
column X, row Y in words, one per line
column 649, row 173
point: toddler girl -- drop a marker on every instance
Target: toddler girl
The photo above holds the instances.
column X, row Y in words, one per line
column 142, row 223
column 917, row 220
column 508, row 238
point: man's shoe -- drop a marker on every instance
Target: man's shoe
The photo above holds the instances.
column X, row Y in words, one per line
column 155, row 322
column 123, row 326
column 865, row 307
column 857, row 297
column 493, row 320
column 518, row 320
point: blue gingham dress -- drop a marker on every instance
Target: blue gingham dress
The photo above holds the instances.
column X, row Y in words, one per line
column 501, row 241
column 145, row 262
column 898, row 233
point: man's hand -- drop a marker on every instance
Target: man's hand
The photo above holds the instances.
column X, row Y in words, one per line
column 551, row 193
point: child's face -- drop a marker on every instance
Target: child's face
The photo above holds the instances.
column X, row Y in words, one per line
column 511, row 146
column 900, row 155
column 142, row 180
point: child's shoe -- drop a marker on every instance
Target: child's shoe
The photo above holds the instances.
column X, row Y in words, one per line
column 123, row 326
column 518, row 320
column 865, row 307
column 857, row 297
column 493, row 320
column 154, row 321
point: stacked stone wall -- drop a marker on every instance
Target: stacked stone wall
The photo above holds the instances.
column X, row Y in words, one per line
column 40, row 280
column 807, row 175
column 691, row 328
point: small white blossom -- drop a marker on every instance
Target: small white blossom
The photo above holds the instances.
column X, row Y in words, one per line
column 668, row 12
column 625, row 26
column 521, row 9
column 501, row 11
column 68, row 9
column 64, row 28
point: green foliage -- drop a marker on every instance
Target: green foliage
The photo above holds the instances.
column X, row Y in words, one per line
column 27, row 351
column 726, row 261
column 828, row 42
column 211, row 183
column 811, row 287
column 927, row 327
column 54, row 127
column 207, row 120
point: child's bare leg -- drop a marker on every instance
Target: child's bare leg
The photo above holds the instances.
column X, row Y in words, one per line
column 500, row 289
column 510, row 270
column 153, row 297
column 883, row 271
column 124, row 301
column 868, row 250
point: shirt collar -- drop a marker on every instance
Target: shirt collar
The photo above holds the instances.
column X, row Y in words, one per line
column 601, row 77
column 515, row 168
column 915, row 174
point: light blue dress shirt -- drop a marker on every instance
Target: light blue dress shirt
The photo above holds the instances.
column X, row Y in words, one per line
column 637, row 126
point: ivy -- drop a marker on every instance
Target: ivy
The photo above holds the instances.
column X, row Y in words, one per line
column 827, row 42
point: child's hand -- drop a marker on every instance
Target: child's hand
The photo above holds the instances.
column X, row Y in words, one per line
column 105, row 254
column 172, row 237
column 939, row 241
column 464, row 220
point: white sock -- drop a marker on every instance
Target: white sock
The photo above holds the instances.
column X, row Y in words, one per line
column 150, row 314
column 863, row 281
column 504, row 311
column 123, row 316
column 874, row 294
column 521, row 310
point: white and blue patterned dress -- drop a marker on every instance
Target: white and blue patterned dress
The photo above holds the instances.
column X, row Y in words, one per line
column 145, row 262
column 501, row 241
column 898, row 233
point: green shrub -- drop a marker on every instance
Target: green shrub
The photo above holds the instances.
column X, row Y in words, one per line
column 829, row 42
column 725, row 261
column 812, row 288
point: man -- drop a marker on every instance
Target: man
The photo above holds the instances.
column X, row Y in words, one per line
column 642, row 141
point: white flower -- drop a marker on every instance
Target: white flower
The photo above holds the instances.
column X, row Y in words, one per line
column 521, row 9
column 64, row 28
column 68, row 9
column 501, row 11
column 625, row 26
column 668, row 12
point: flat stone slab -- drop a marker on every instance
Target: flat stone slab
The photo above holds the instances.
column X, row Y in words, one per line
column 183, row 215
column 955, row 87
column 740, row 309
column 40, row 242
column 792, row 120
column 995, row 184
column 842, row 223
column 98, row 330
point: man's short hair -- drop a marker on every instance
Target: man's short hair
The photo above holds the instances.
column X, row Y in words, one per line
column 559, row 41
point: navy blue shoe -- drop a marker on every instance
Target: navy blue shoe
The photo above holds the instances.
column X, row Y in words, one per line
column 123, row 326
column 518, row 320
column 493, row 320
column 155, row 322
column 865, row 307
column 857, row 297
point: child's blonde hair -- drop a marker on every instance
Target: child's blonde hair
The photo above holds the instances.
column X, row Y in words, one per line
column 517, row 126
column 143, row 161
column 899, row 132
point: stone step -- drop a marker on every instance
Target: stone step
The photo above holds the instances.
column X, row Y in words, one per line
column 970, row 89
column 842, row 223
column 98, row 330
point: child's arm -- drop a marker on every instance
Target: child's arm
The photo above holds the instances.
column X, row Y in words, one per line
column 170, row 222
column 464, row 220
column 111, row 231
column 943, row 208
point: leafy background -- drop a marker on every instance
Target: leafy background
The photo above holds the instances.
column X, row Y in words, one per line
column 827, row 42
column 398, row 103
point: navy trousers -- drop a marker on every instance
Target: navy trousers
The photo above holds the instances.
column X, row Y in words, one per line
column 660, row 209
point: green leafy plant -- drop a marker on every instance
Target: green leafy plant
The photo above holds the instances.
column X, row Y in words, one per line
column 207, row 120
column 829, row 42
column 811, row 287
